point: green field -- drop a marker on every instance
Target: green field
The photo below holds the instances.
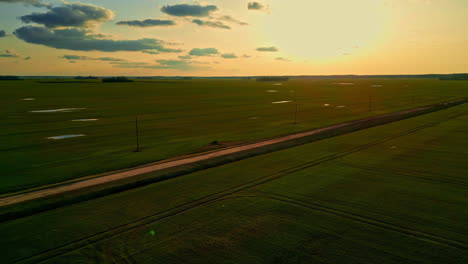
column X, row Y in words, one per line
column 389, row 194
column 176, row 117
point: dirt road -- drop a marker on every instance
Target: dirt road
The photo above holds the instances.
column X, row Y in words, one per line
column 28, row 196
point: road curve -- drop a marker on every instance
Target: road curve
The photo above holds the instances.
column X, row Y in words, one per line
column 65, row 188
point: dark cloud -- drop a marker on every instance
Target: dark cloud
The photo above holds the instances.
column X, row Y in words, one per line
column 78, row 39
column 9, row 53
column 229, row 56
column 213, row 24
column 268, row 49
column 182, row 65
column 147, row 23
column 246, row 56
column 76, row 57
column 255, row 6
column 70, row 15
column 186, row 57
column 153, row 52
column 281, row 59
column 203, row 52
column 232, row 20
column 185, row 10
column 2, row 33
column 36, row 3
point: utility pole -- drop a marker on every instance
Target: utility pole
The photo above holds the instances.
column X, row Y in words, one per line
column 137, row 135
column 295, row 115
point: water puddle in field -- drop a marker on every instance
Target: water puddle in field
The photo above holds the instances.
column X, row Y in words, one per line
column 66, row 136
column 377, row 85
column 253, row 118
column 281, row 102
column 85, row 120
column 343, row 83
column 28, row 99
column 277, row 84
column 341, row 106
column 60, row 110
column 272, row 91
column 326, row 105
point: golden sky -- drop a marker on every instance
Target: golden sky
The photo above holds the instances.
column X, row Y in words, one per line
column 233, row 37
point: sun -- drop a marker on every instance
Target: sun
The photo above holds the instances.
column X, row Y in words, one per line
column 320, row 29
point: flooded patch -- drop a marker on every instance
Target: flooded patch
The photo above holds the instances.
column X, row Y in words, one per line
column 343, row 83
column 66, row 136
column 28, row 99
column 253, row 118
column 85, row 120
column 281, row 102
column 292, row 91
column 60, row 110
column 277, row 84
column 377, row 85
column 341, row 106
column 272, row 91
column 326, row 105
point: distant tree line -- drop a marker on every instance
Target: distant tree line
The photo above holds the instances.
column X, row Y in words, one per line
column 86, row 78
column 273, row 79
column 455, row 77
column 116, row 79
column 10, row 78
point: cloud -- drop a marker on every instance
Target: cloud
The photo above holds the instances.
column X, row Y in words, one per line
column 281, row 59
column 267, row 49
column 70, row 15
column 78, row 39
column 147, row 23
column 229, row 56
column 185, row 10
column 182, row 65
column 255, row 6
column 203, row 52
column 232, row 20
column 127, row 64
column 36, row 3
column 246, row 56
column 9, row 53
column 76, row 57
column 215, row 24
column 150, row 52
column 186, row 57
column 2, row 33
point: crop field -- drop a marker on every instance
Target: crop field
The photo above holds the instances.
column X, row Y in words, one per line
column 389, row 194
column 56, row 131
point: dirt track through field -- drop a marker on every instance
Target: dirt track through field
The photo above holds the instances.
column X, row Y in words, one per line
column 29, row 196
column 245, row 187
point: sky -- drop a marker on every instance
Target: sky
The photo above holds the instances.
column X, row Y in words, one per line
column 232, row 37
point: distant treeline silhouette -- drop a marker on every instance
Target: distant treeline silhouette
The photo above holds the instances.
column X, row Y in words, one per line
column 455, row 77
column 116, row 79
column 86, row 78
column 273, row 79
column 10, row 78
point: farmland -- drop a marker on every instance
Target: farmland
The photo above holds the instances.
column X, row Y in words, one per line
column 390, row 194
column 176, row 118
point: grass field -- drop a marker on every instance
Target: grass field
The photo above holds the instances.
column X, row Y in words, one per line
column 175, row 117
column 389, row 194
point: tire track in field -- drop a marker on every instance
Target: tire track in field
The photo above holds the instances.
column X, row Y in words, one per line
column 97, row 237
column 341, row 162
column 367, row 220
